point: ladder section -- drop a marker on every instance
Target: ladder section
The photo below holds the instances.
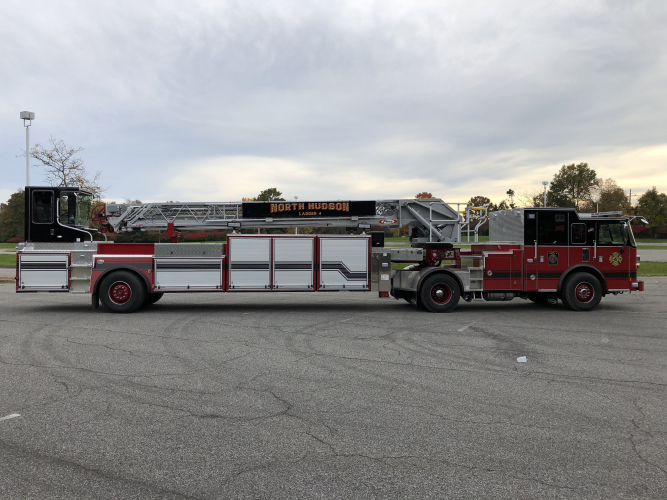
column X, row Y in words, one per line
column 430, row 220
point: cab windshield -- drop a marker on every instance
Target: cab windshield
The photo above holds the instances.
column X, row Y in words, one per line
column 615, row 233
column 75, row 209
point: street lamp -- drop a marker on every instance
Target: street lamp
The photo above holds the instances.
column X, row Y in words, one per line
column 29, row 116
column 545, row 184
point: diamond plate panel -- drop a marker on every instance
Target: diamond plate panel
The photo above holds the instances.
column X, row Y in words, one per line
column 506, row 225
column 188, row 250
column 61, row 247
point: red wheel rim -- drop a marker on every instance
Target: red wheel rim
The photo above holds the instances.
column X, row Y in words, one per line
column 441, row 293
column 120, row 292
column 584, row 292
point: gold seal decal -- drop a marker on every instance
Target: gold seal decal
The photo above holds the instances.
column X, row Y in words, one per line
column 615, row 259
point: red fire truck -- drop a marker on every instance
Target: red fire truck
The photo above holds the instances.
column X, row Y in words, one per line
column 539, row 254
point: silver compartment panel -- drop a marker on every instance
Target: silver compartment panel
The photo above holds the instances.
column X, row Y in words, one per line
column 249, row 263
column 188, row 274
column 293, row 263
column 344, row 263
column 43, row 271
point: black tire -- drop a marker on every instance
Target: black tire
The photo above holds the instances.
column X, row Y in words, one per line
column 152, row 298
column 538, row 298
column 581, row 292
column 439, row 293
column 122, row 292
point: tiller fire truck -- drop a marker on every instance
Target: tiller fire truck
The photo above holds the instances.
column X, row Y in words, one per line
column 539, row 254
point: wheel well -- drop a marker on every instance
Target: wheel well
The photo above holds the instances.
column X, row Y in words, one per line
column 142, row 278
column 440, row 271
column 585, row 269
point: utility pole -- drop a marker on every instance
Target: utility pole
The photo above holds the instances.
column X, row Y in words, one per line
column 29, row 116
column 545, row 184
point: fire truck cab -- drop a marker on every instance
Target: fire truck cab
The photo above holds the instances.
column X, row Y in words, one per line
column 556, row 253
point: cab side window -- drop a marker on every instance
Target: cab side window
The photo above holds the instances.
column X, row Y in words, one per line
column 68, row 208
column 42, row 207
column 552, row 228
column 578, row 236
column 610, row 234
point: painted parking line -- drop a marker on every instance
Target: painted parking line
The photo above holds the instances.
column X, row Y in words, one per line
column 13, row 415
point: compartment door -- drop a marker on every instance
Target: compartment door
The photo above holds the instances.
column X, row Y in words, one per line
column 249, row 263
column 46, row 272
column 293, row 263
column 344, row 263
column 188, row 274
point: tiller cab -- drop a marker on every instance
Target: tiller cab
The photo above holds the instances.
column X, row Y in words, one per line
column 539, row 254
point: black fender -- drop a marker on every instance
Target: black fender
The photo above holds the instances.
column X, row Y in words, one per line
column 583, row 267
column 440, row 270
column 121, row 268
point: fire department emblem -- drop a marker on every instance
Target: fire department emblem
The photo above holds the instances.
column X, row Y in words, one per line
column 615, row 259
column 553, row 258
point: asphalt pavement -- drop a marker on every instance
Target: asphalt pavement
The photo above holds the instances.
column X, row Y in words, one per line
column 332, row 395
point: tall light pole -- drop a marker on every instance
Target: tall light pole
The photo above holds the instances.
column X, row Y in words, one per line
column 545, row 184
column 29, row 117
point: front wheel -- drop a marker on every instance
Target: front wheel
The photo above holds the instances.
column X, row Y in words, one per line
column 581, row 292
column 122, row 292
column 439, row 293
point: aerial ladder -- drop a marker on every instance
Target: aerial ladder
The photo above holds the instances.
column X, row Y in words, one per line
column 429, row 220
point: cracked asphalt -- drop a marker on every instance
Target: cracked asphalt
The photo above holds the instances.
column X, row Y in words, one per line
column 336, row 395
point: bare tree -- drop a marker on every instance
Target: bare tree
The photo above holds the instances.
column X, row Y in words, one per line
column 64, row 168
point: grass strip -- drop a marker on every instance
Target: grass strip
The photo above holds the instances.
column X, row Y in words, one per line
column 652, row 269
column 7, row 259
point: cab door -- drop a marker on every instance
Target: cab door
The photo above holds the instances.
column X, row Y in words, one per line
column 613, row 258
column 530, row 251
column 552, row 249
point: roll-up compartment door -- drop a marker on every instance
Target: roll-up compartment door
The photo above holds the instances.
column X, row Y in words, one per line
column 43, row 272
column 293, row 260
column 188, row 274
column 344, row 263
column 249, row 263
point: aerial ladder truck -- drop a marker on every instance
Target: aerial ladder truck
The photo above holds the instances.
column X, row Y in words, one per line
column 540, row 254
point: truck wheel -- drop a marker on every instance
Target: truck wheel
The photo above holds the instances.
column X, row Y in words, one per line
column 122, row 292
column 439, row 293
column 152, row 298
column 581, row 292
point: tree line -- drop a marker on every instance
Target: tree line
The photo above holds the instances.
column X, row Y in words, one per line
column 574, row 185
column 578, row 186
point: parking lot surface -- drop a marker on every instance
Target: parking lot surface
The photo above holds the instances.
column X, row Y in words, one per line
column 332, row 395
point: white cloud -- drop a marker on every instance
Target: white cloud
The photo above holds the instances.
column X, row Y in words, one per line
column 367, row 99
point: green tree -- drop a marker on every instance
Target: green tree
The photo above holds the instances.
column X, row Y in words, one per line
column 12, row 219
column 572, row 186
column 653, row 207
column 271, row 194
column 607, row 197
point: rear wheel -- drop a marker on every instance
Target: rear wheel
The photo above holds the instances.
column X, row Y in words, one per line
column 152, row 298
column 439, row 293
column 122, row 292
column 581, row 292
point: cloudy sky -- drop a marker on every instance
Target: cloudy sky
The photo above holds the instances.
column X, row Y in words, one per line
column 217, row 100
